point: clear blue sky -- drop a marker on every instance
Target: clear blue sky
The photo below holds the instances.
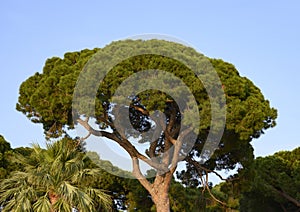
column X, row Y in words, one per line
column 261, row 38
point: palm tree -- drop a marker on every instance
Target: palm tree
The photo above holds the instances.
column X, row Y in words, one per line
column 55, row 179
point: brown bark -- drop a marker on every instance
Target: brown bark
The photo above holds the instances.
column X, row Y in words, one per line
column 160, row 192
column 160, row 197
column 159, row 189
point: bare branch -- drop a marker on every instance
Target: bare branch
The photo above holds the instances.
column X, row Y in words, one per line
column 86, row 137
column 169, row 137
column 137, row 173
column 131, row 150
column 167, row 153
column 199, row 168
column 209, row 191
column 177, row 147
column 184, row 133
column 203, row 183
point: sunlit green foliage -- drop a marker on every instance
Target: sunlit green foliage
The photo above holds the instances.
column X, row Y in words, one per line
column 47, row 97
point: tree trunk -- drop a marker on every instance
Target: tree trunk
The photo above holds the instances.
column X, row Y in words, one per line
column 161, row 199
column 160, row 192
column 159, row 189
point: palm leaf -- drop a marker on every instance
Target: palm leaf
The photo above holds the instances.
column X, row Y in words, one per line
column 42, row 204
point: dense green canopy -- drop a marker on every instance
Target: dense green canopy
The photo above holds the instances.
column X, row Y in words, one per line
column 276, row 183
column 193, row 94
column 47, row 97
column 4, row 163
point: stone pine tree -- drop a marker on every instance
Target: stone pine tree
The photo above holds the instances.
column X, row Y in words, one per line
column 48, row 98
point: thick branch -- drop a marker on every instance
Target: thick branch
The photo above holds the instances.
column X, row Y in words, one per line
column 167, row 152
column 175, row 157
column 94, row 132
column 288, row 197
column 172, row 127
column 137, row 173
column 169, row 137
column 131, row 150
column 177, row 147
column 159, row 120
column 151, row 151
column 163, row 181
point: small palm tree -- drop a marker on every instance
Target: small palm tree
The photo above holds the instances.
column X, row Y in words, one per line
column 55, row 179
